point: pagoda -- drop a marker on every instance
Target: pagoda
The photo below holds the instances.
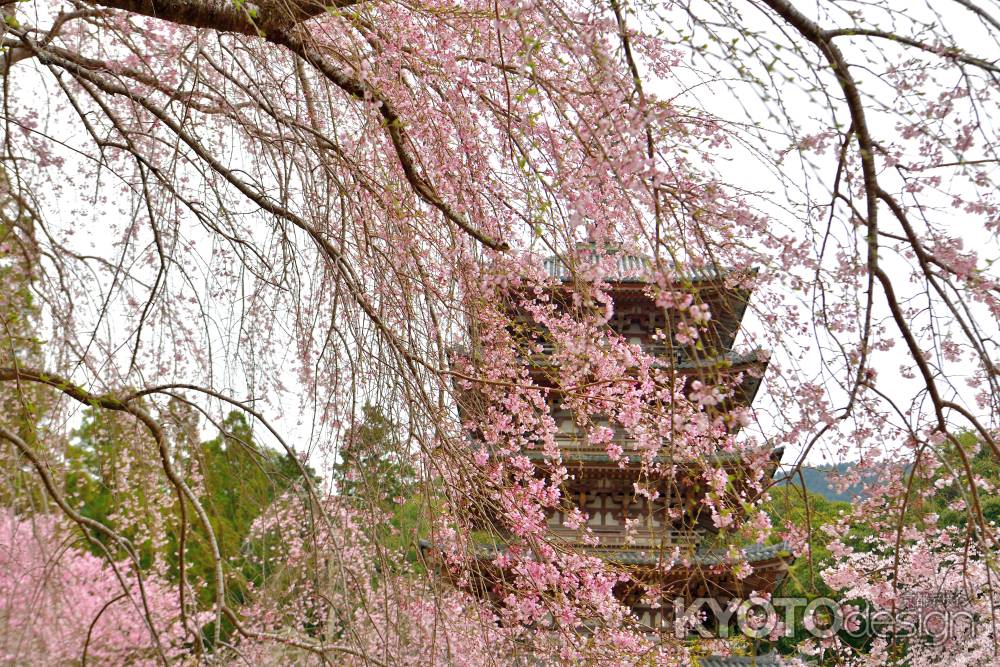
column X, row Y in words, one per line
column 675, row 528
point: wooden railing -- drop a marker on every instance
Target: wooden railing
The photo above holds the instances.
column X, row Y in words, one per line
column 580, row 442
column 675, row 354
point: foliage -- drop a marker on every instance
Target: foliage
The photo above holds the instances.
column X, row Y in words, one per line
column 804, row 517
column 19, row 320
column 240, row 479
column 951, row 498
column 111, row 477
column 376, row 476
column 108, row 478
column 375, row 462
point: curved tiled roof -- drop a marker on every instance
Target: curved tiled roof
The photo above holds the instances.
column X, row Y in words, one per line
column 754, row 553
column 569, row 454
column 635, row 268
column 740, row 660
column 729, row 358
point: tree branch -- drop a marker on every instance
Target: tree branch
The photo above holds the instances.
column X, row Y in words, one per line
column 274, row 21
column 228, row 15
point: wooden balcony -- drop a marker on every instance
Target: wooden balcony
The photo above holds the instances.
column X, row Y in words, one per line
column 674, row 355
column 578, row 443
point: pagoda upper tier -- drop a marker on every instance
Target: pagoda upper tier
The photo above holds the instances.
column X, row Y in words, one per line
column 636, row 315
column 641, row 321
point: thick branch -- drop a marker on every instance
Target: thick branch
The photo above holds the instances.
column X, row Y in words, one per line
column 227, row 15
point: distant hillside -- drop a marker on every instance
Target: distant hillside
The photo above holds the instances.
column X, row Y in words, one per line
column 818, row 480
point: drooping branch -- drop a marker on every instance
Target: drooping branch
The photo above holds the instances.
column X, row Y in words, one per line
column 955, row 53
column 277, row 24
column 87, row 524
column 106, row 401
column 394, row 125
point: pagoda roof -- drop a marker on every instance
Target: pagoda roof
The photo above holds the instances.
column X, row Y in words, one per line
column 753, row 553
column 728, row 358
column 568, row 454
column 634, row 268
column 740, row 661
column 703, row 557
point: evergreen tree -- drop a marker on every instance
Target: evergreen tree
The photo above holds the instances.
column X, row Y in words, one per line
column 240, row 478
column 375, row 464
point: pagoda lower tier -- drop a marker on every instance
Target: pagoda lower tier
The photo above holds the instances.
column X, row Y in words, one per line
column 664, row 538
column 679, row 576
column 636, row 499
